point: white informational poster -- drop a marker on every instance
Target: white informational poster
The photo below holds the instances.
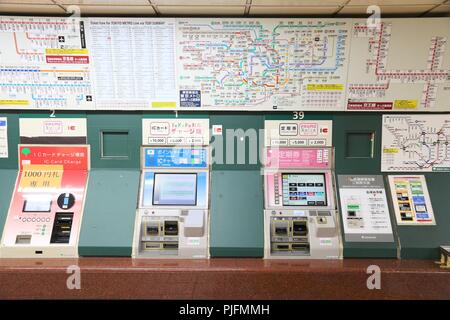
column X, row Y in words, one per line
column 44, row 64
column 175, row 132
column 308, row 64
column 3, row 137
column 134, row 63
column 399, row 65
column 415, row 143
column 298, row 133
column 53, row 130
column 262, row 64
column 364, row 209
column 412, row 203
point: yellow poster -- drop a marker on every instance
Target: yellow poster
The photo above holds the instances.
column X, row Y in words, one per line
column 41, row 176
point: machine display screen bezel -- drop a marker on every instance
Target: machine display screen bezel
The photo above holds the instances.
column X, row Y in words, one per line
column 172, row 174
column 25, row 209
column 305, row 174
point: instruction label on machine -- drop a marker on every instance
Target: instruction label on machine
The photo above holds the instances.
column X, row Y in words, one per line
column 74, row 157
column 175, row 131
column 412, row 203
column 41, row 176
column 364, row 207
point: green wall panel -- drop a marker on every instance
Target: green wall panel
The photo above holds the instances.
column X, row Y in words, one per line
column 353, row 123
column 8, row 166
column 422, row 242
column 237, row 224
column 130, row 123
column 109, row 214
column 241, row 131
column 7, row 183
column 108, row 219
column 236, row 189
column 13, row 140
column 345, row 123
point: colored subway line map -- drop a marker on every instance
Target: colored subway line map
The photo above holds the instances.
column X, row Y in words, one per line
column 396, row 66
column 263, row 64
column 416, row 143
column 46, row 64
column 224, row 64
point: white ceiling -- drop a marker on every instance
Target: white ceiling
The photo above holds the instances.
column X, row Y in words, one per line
column 332, row 8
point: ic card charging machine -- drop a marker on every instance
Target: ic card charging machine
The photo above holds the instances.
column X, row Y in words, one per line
column 300, row 216
column 47, row 205
column 172, row 219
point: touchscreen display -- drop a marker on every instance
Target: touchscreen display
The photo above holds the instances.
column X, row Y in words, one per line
column 304, row 189
column 175, row 189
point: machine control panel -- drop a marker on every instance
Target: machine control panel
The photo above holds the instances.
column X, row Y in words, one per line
column 48, row 201
column 299, row 191
column 172, row 218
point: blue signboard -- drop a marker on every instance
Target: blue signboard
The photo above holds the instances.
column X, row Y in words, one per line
column 175, row 158
column 190, row 98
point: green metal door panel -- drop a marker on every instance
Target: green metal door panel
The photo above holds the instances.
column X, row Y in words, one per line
column 422, row 242
column 126, row 128
column 357, row 125
column 7, row 183
column 237, row 224
column 110, row 209
column 13, row 140
column 236, row 186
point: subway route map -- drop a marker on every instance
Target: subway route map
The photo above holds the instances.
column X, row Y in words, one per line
column 416, row 143
column 396, row 66
column 262, row 64
column 45, row 64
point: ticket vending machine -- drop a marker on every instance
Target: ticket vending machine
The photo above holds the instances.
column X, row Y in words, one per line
column 172, row 219
column 300, row 216
column 46, row 208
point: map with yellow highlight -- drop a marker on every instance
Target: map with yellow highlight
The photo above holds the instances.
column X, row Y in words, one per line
column 44, row 64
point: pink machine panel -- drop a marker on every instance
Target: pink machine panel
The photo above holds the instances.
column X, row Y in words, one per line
column 304, row 158
column 47, row 203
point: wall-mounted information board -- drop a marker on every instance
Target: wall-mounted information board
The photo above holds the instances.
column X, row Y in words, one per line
column 133, row 62
column 264, row 63
column 364, row 209
column 399, row 66
column 416, row 143
column 412, row 203
column 44, row 64
column 224, row 64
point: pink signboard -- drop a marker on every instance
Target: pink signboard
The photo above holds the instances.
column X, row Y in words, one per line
column 304, row 158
